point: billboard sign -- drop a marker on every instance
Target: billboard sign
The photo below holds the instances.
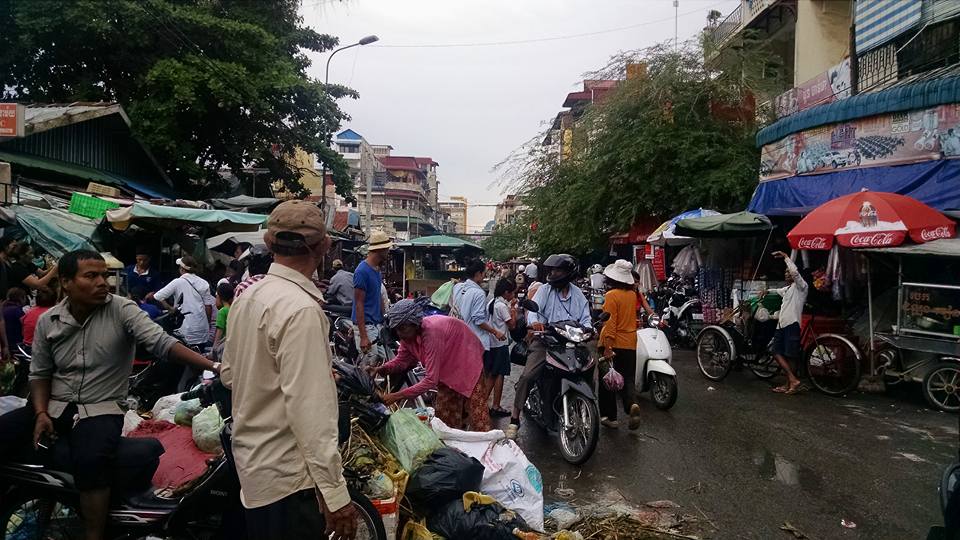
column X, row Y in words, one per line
column 11, row 120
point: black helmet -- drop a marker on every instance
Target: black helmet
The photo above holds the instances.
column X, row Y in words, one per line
column 259, row 260
column 561, row 268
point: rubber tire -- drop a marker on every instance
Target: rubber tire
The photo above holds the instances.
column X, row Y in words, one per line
column 16, row 498
column 594, row 432
column 368, row 513
column 672, row 391
column 723, row 341
column 854, row 382
column 767, row 375
column 954, row 366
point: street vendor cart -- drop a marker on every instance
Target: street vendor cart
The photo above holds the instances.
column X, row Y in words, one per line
column 430, row 261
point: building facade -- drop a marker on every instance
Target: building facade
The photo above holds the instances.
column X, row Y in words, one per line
column 507, row 210
column 456, row 207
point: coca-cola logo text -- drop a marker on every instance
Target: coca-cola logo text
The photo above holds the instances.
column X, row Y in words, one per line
column 872, row 240
column 932, row 234
column 817, row 242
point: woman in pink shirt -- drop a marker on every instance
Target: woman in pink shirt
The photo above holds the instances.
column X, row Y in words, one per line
column 453, row 358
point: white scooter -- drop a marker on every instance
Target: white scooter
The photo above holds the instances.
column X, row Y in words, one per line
column 654, row 371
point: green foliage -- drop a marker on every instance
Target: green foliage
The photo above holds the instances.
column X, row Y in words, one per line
column 507, row 241
column 207, row 84
column 652, row 148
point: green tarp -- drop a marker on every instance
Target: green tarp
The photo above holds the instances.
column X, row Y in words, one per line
column 56, row 231
column 221, row 219
column 439, row 240
column 724, row 225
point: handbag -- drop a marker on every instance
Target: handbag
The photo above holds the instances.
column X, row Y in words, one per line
column 518, row 354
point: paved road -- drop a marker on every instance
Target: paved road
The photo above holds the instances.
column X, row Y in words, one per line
column 752, row 460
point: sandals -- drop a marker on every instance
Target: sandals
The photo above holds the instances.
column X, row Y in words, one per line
column 499, row 412
column 790, row 390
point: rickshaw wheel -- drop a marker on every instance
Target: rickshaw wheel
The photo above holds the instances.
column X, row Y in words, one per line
column 941, row 386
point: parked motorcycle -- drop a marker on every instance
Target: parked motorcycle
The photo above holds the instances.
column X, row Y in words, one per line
column 682, row 314
column 41, row 501
column 22, row 355
column 654, row 370
column 151, row 377
column 563, row 398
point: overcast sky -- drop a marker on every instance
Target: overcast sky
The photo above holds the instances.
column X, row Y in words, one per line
column 469, row 107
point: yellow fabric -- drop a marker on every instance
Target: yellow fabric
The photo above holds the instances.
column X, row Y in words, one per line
column 471, row 498
column 620, row 331
column 277, row 361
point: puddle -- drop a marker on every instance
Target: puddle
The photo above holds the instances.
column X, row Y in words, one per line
column 779, row 469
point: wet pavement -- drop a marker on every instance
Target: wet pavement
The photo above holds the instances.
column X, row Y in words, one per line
column 746, row 461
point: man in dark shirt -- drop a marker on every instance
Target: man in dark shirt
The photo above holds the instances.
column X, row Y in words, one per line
column 82, row 356
column 141, row 276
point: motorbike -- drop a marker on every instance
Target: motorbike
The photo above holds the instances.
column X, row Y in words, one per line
column 562, row 399
column 41, row 501
column 22, row 355
column 949, row 491
column 654, row 370
column 682, row 314
column 151, row 377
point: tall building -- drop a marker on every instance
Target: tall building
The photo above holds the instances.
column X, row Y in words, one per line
column 457, row 208
column 870, row 84
column 560, row 135
column 507, row 210
column 403, row 194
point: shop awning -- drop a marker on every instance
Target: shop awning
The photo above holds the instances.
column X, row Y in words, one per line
column 86, row 173
column 223, row 220
column 56, row 231
column 245, row 202
column 947, row 247
column 725, row 225
column 902, row 97
column 439, row 240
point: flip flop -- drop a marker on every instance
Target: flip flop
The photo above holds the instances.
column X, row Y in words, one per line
column 499, row 411
column 781, row 389
column 795, row 390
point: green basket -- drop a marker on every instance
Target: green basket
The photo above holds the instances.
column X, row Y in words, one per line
column 91, row 207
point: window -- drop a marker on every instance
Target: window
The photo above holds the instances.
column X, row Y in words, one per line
column 350, row 148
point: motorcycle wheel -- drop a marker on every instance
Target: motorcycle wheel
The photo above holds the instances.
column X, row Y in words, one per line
column 941, row 386
column 39, row 518
column 369, row 523
column 663, row 390
column 714, row 354
column 578, row 441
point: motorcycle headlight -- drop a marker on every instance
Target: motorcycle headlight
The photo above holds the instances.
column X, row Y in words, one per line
column 574, row 334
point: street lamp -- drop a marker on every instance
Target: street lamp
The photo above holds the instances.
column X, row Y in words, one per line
column 363, row 41
column 326, row 82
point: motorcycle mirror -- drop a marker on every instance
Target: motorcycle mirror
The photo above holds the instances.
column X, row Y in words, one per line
column 530, row 305
column 603, row 316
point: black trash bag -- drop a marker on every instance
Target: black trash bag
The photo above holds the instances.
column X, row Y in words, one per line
column 482, row 522
column 354, row 381
column 445, row 476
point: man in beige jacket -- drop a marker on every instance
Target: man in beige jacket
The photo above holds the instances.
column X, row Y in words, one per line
column 277, row 361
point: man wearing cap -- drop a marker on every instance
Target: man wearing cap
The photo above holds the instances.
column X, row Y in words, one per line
column 191, row 295
column 277, row 361
column 341, row 285
column 368, row 298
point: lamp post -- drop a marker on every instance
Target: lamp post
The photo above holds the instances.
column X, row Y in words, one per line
column 326, row 82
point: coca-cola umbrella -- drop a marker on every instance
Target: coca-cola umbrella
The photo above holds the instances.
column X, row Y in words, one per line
column 870, row 219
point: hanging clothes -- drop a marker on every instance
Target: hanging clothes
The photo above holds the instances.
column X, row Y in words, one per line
column 687, row 262
column 648, row 278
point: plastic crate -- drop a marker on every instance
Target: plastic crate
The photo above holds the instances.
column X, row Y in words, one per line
column 91, row 207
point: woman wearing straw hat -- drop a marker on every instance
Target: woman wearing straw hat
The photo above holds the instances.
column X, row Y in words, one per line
column 619, row 341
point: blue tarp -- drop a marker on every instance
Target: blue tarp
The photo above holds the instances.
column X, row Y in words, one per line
column 935, row 183
column 919, row 95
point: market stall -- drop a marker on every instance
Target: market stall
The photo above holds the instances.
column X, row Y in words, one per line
column 430, row 261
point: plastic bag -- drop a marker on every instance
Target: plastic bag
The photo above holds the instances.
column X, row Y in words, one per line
column 164, row 408
column 441, row 297
column 408, row 439
column 416, row 530
column 207, row 425
column 185, row 411
column 130, row 422
column 379, row 486
column 475, row 517
column 445, row 476
column 509, row 477
column 613, row 380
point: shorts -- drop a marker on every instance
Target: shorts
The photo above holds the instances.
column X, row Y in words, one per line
column 786, row 341
column 93, row 447
column 496, row 361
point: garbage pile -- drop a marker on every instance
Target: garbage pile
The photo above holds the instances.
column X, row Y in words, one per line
column 658, row 520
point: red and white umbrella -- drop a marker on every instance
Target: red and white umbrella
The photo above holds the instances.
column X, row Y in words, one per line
column 870, row 219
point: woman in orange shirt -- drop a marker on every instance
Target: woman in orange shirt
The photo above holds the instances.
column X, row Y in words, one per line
column 619, row 341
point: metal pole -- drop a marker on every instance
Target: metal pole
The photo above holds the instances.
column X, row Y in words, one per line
column 873, row 366
column 369, row 201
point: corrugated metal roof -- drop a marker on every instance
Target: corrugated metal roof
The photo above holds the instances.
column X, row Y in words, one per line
column 41, row 117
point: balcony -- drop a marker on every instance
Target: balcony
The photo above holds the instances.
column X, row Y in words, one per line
column 413, row 189
column 742, row 17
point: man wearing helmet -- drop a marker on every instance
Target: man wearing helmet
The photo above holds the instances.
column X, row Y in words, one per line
column 560, row 301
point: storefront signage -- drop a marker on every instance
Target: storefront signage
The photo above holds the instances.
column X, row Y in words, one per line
column 11, row 120
column 930, row 309
column 829, row 86
column 890, row 139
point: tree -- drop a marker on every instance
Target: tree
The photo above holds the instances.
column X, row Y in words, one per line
column 207, row 84
column 680, row 137
column 507, row 241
